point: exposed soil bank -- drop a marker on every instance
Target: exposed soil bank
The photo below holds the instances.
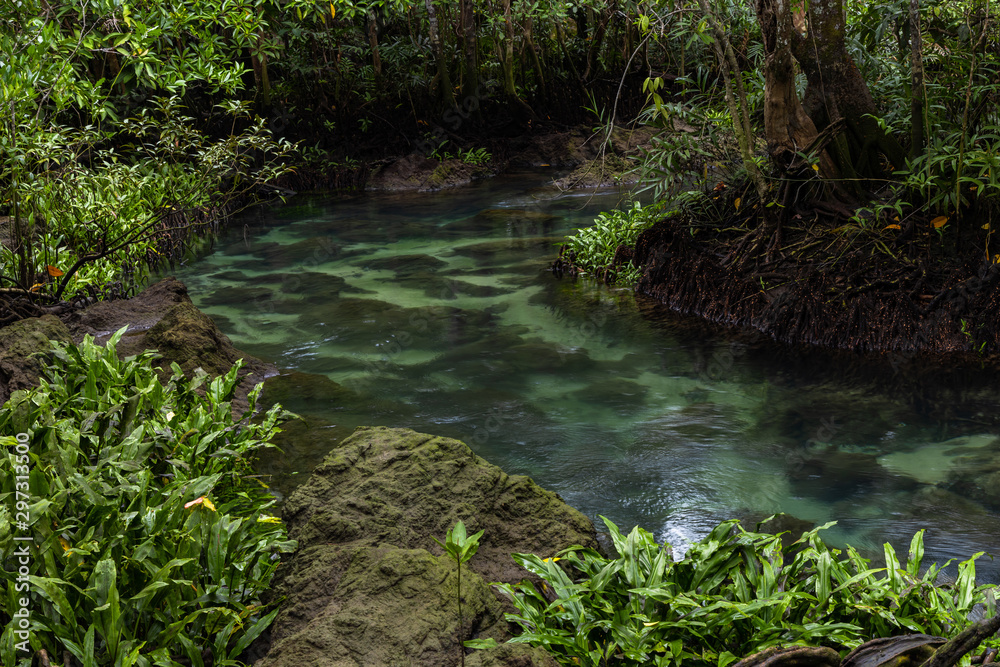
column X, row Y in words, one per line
column 863, row 301
column 597, row 160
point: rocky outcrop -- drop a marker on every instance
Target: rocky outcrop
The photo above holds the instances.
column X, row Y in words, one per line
column 160, row 318
column 369, row 585
column 163, row 318
column 24, row 346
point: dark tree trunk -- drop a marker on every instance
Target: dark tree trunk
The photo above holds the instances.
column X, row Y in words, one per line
column 470, row 80
column 916, row 82
column 444, row 77
column 373, row 43
column 787, row 128
column 837, row 93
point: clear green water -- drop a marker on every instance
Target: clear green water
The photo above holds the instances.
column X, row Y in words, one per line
column 437, row 312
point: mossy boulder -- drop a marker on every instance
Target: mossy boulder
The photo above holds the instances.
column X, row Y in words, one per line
column 396, row 486
column 189, row 337
column 24, row 345
column 377, row 606
column 370, row 586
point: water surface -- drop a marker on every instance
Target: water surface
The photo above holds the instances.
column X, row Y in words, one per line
column 438, row 312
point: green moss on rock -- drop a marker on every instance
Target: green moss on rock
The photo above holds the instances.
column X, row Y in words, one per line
column 370, row 586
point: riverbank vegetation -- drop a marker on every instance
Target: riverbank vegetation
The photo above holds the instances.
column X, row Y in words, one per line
column 737, row 593
column 151, row 538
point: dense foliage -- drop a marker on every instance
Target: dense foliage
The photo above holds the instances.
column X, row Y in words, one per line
column 103, row 169
column 152, row 541
column 734, row 593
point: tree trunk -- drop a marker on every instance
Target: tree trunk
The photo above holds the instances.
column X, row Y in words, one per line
column 530, row 44
column 444, row 78
column 470, row 79
column 916, row 83
column 787, row 128
column 837, row 92
column 736, row 97
column 510, row 89
column 373, row 43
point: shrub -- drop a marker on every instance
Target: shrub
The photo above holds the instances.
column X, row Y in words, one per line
column 150, row 540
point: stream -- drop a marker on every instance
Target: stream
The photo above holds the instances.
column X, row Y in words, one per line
column 437, row 312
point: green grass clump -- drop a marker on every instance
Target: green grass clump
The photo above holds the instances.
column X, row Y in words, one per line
column 151, row 544
column 733, row 594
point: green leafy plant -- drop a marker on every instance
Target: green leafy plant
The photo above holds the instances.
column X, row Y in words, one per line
column 733, row 594
column 155, row 543
column 593, row 248
column 461, row 547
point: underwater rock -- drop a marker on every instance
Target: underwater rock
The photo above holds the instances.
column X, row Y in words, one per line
column 368, row 575
column 24, row 345
column 509, row 251
column 616, row 392
column 403, row 265
column 508, row 221
column 831, row 473
column 226, row 296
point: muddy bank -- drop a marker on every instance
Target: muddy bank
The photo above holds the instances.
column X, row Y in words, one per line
column 370, row 585
column 578, row 157
column 863, row 302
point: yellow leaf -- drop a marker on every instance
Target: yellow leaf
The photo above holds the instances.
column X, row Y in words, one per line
column 208, row 503
column 53, row 271
column 986, row 226
column 893, row 227
column 36, row 287
column 648, row 625
column 64, row 543
column 895, row 218
column 940, row 221
column 268, row 519
column 815, row 167
column 333, row 12
column 736, row 203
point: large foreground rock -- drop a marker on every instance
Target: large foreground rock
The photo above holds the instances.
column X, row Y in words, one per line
column 369, row 586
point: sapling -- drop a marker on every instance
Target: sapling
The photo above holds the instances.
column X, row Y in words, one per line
column 461, row 547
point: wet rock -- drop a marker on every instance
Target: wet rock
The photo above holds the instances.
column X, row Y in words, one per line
column 368, row 575
column 189, row 337
column 24, row 347
column 139, row 313
column 601, row 172
column 314, row 284
column 405, row 488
